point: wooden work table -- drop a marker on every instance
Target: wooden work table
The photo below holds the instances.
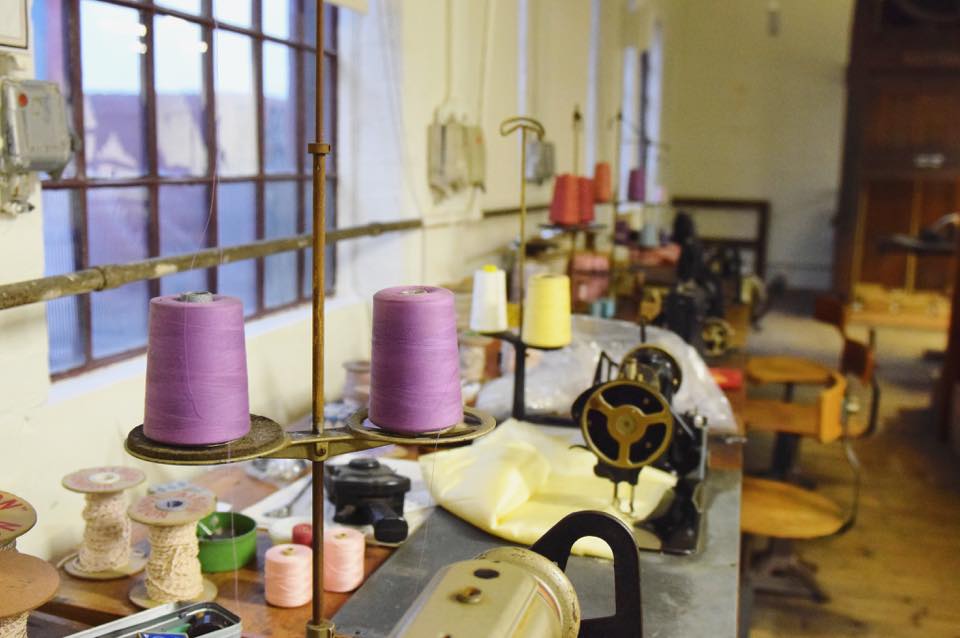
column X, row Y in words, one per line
column 96, row 602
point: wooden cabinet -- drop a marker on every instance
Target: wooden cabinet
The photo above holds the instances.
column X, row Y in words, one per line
column 901, row 159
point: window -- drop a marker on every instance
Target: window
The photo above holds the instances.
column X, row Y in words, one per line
column 194, row 116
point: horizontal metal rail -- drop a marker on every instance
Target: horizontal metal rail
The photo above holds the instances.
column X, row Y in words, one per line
column 110, row 276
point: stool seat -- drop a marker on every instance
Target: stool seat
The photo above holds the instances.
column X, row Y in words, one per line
column 780, row 510
column 782, row 369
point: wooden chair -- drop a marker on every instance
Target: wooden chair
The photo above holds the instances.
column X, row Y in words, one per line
column 784, row 512
column 857, row 362
column 789, row 370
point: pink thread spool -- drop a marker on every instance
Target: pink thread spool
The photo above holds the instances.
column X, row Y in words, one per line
column 287, row 579
column 415, row 361
column 585, row 194
column 196, row 390
column 637, row 186
column 343, row 553
column 602, row 182
column 564, row 208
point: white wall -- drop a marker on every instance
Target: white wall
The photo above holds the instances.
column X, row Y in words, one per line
column 393, row 78
column 745, row 115
column 750, row 115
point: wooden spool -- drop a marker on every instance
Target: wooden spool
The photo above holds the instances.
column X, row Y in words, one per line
column 17, row 517
column 171, row 509
column 27, row 583
column 105, row 480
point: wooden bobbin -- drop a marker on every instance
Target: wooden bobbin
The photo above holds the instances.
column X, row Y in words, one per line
column 16, row 517
column 105, row 480
column 27, row 583
column 171, row 509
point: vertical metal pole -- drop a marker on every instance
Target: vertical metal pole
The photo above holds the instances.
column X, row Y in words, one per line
column 522, row 256
column 616, row 193
column 318, row 627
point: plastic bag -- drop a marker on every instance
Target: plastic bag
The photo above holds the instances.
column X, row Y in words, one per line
column 558, row 377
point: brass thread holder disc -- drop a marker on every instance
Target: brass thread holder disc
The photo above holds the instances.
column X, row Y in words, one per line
column 475, row 424
column 17, row 517
column 265, row 437
column 103, row 480
column 27, row 583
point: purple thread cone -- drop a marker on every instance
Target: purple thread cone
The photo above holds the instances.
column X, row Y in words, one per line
column 196, row 372
column 415, row 363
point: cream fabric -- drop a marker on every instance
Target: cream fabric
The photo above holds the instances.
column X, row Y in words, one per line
column 518, row 481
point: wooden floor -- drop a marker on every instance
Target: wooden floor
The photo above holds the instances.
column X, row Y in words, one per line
column 897, row 572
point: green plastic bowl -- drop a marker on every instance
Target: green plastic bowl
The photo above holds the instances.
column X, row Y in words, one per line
column 233, row 544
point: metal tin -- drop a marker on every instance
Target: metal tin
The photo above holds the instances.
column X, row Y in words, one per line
column 191, row 619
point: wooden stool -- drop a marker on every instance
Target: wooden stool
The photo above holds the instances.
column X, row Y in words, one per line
column 789, row 370
column 785, row 513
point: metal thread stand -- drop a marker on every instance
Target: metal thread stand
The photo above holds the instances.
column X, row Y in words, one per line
column 268, row 439
column 526, row 125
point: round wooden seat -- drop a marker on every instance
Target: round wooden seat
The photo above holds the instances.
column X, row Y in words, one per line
column 778, row 369
column 780, row 510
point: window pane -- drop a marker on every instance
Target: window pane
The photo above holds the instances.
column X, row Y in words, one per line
column 277, row 17
column 48, row 20
column 60, row 241
column 310, row 24
column 330, row 274
column 180, row 48
column 186, row 6
column 280, row 112
column 237, row 224
column 111, row 49
column 117, row 233
column 236, row 104
column 233, row 11
column 184, row 220
column 280, row 271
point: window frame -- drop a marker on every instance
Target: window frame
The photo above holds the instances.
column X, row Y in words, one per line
column 79, row 185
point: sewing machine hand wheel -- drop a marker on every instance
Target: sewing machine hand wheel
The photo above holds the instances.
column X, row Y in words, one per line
column 627, row 620
column 626, row 424
column 667, row 368
column 715, row 336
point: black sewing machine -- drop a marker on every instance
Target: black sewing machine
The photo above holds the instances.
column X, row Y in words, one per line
column 694, row 308
column 628, row 422
column 368, row 493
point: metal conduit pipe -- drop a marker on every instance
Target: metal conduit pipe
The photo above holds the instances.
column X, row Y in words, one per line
column 110, row 276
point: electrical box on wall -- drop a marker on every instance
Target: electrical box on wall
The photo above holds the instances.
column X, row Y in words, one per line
column 34, row 137
column 456, row 157
column 540, row 161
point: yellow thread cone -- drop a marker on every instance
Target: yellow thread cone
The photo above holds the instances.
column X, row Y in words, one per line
column 546, row 312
